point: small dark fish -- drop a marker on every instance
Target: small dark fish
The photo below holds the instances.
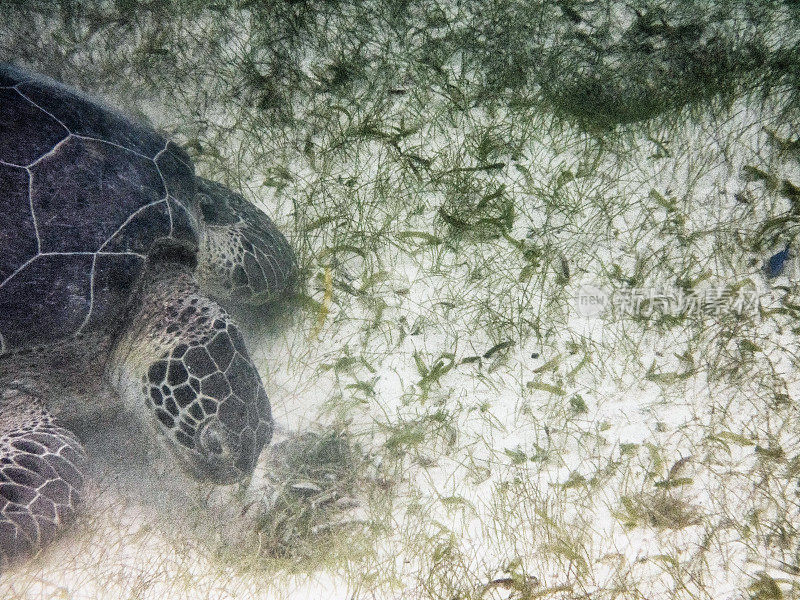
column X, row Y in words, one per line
column 776, row 263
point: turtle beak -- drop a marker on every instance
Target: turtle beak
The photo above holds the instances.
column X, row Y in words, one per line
column 220, row 453
column 222, row 458
column 218, row 459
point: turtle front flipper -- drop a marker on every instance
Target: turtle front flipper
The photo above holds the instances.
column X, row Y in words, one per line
column 243, row 256
column 41, row 475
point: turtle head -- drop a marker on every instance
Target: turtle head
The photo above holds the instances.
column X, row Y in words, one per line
column 207, row 400
column 181, row 364
column 243, row 257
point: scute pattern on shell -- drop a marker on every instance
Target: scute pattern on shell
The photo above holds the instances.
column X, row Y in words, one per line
column 85, row 193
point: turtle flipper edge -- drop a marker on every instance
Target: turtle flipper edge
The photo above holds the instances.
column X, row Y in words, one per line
column 41, row 475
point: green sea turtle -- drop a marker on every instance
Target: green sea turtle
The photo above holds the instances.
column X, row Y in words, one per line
column 111, row 250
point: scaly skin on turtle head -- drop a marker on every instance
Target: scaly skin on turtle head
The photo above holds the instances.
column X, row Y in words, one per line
column 181, row 363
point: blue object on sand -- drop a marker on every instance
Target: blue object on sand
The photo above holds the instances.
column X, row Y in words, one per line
column 776, row 263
